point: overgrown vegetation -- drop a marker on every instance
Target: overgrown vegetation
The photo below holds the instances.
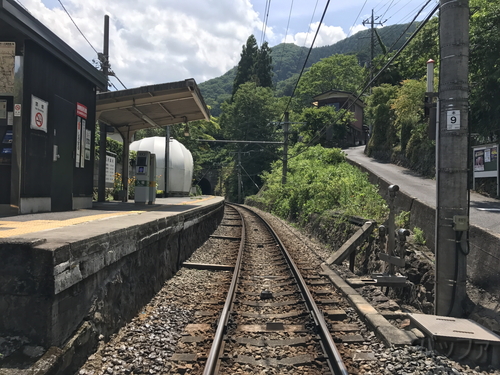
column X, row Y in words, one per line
column 319, row 179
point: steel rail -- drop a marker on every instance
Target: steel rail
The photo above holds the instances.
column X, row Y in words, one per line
column 334, row 358
column 213, row 356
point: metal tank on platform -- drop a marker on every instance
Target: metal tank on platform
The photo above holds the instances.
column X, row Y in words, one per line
column 180, row 164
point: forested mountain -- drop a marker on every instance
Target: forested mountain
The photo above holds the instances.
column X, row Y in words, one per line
column 288, row 59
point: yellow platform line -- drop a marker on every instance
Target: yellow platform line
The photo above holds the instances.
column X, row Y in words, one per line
column 20, row 228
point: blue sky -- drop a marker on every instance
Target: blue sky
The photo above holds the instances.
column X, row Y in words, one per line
column 156, row 41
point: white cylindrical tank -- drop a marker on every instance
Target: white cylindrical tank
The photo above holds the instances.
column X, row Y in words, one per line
column 180, row 165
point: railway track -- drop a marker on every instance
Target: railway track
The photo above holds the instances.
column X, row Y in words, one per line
column 174, row 332
column 280, row 315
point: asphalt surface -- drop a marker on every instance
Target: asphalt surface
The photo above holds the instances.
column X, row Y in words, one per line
column 484, row 211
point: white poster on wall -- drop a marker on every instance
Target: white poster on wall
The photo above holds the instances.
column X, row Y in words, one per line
column 39, row 112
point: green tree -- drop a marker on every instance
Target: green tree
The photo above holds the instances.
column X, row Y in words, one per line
column 381, row 116
column 264, row 67
column 337, row 72
column 412, row 63
column 245, row 69
column 325, row 126
column 485, row 69
column 408, row 108
column 249, row 117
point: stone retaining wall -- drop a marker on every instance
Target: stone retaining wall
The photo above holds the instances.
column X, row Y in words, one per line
column 483, row 261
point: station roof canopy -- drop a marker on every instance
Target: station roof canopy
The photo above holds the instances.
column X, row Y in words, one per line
column 152, row 106
column 18, row 25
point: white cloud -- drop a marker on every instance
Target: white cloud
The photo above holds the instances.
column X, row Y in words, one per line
column 158, row 40
column 327, row 35
column 353, row 30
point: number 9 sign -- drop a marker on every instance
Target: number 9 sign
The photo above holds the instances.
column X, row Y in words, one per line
column 453, row 120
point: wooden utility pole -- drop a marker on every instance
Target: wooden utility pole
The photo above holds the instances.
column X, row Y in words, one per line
column 285, row 148
column 452, row 209
column 104, row 58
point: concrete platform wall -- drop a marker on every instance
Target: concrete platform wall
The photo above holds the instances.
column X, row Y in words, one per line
column 48, row 290
column 483, row 261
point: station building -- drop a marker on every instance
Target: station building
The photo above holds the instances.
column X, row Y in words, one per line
column 47, row 118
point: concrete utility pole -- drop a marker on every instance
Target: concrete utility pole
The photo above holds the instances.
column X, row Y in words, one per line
column 101, row 184
column 372, row 23
column 167, row 160
column 452, row 209
column 285, row 148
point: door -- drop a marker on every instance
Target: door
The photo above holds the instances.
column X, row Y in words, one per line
column 64, row 120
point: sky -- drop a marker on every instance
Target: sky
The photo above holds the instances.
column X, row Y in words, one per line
column 158, row 41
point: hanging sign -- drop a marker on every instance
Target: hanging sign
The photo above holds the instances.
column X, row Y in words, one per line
column 39, row 110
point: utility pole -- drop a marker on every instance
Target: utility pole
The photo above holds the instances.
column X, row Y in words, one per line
column 167, row 160
column 372, row 23
column 285, row 148
column 452, row 211
column 239, row 174
column 104, row 58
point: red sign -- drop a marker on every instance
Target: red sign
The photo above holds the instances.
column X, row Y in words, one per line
column 81, row 110
column 39, row 119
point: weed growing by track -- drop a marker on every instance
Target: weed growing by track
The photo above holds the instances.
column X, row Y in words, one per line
column 319, row 179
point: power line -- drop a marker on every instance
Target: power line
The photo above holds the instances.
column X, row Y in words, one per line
column 307, row 57
column 321, row 132
column 74, row 23
column 356, row 20
column 286, row 34
column 265, row 20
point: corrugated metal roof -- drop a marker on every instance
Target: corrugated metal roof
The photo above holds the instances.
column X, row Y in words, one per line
column 155, row 105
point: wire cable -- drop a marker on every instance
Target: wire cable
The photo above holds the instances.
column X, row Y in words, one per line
column 74, row 23
column 321, row 132
column 305, row 61
column 356, row 20
column 266, row 19
column 286, row 34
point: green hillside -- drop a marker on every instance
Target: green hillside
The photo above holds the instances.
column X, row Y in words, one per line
column 288, row 59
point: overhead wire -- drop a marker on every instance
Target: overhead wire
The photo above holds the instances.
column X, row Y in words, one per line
column 286, row 34
column 321, row 132
column 74, row 23
column 265, row 20
column 307, row 57
column 356, row 20
column 90, row 44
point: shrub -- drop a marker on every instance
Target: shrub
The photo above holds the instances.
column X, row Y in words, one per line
column 320, row 179
column 418, row 236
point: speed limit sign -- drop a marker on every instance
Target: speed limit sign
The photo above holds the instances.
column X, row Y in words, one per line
column 453, row 120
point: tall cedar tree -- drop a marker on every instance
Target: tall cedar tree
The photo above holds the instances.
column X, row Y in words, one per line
column 246, row 65
column 263, row 67
column 255, row 65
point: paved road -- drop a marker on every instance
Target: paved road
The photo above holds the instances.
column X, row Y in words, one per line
column 484, row 211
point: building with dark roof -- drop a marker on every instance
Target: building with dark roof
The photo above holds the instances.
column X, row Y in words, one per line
column 47, row 117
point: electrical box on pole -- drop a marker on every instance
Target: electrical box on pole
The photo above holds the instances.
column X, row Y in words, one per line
column 452, row 207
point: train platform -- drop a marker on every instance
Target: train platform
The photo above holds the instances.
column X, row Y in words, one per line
column 101, row 214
